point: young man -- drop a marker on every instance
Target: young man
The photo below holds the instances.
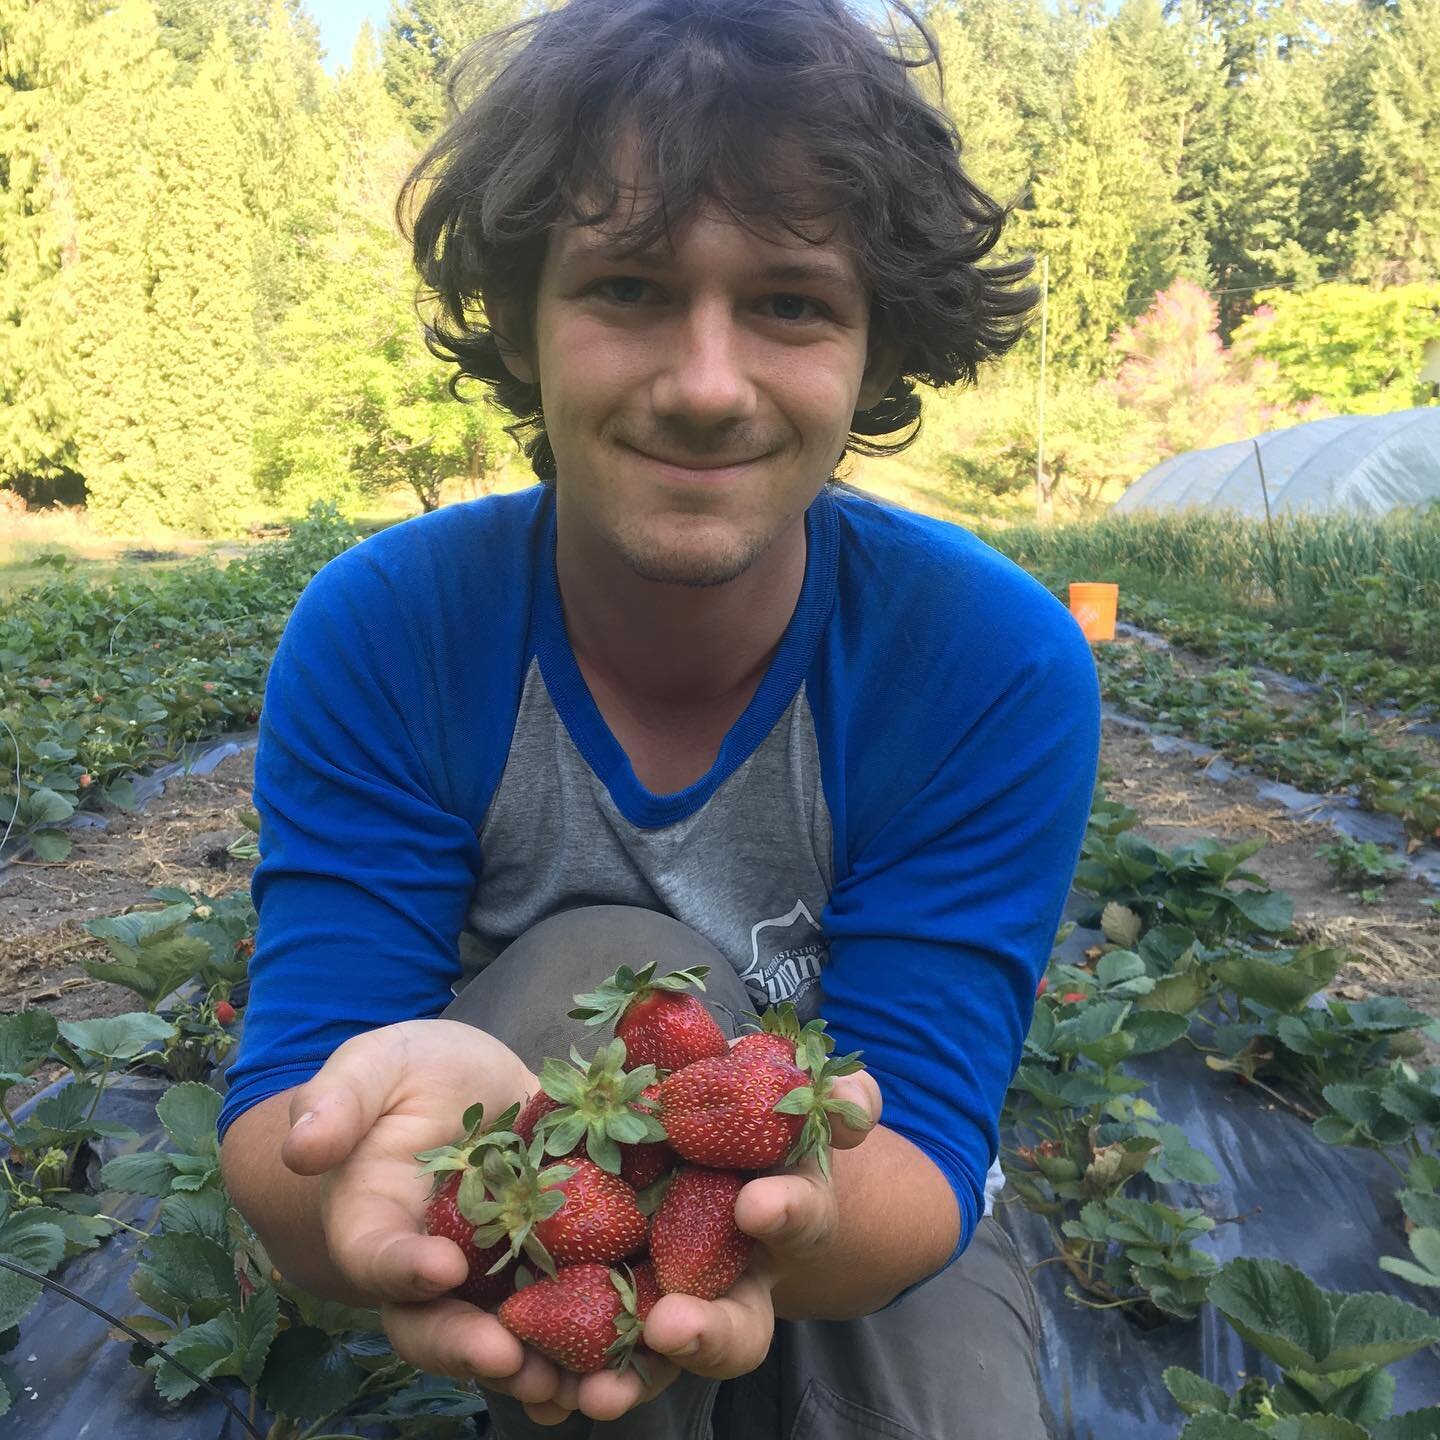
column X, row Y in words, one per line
column 685, row 700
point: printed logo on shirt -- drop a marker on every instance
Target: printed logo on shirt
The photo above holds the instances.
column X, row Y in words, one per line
column 786, row 953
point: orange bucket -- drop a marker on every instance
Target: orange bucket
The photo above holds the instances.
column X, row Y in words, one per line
column 1094, row 605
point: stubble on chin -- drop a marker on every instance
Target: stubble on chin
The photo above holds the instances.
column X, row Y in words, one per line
column 696, row 568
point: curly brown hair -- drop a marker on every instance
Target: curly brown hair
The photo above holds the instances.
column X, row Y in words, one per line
column 725, row 94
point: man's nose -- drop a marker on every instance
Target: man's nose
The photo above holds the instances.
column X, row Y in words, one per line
column 704, row 374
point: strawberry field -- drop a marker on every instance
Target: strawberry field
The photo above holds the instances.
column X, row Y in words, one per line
column 1220, row 1144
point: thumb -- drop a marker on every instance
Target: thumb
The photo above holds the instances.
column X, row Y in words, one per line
column 333, row 1111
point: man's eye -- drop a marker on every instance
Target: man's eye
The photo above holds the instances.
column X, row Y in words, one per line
column 782, row 297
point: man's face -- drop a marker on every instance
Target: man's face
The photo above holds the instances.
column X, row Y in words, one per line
column 713, row 355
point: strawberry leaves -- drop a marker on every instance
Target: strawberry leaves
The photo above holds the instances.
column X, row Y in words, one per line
column 601, row 1103
column 608, row 1004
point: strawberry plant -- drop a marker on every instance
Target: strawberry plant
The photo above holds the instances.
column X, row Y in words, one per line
column 1355, row 863
column 98, row 683
column 1331, row 1348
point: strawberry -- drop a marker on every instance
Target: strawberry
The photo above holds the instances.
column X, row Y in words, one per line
column 781, row 1035
column 599, row 1220
column 443, row 1218
column 750, row 1109
column 225, row 1012
column 695, row 1245
column 536, row 1108
column 584, row 1318
column 643, row 1164
column 647, row 1287
column 597, row 1107
column 1072, row 997
column 660, row 1023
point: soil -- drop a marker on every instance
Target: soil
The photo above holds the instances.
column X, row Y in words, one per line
column 181, row 838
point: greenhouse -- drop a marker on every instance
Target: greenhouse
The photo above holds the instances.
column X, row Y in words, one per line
column 1361, row 464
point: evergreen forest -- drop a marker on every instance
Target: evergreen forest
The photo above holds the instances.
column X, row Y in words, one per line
column 209, row 312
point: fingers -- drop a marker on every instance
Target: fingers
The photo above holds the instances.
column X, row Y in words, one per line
column 454, row 1338
column 609, row 1394
column 717, row 1338
column 860, row 1089
column 331, row 1112
column 791, row 1212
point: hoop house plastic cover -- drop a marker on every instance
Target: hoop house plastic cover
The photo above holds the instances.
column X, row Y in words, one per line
column 1364, row 464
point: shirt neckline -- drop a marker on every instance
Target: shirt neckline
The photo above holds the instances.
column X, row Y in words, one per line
column 787, row 669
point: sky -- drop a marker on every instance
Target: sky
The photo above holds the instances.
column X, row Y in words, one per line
column 339, row 22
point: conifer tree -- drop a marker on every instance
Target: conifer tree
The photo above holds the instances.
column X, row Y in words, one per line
column 289, row 166
column 1399, row 241
column 423, row 39
column 36, row 242
column 202, row 341
column 122, row 74
column 355, row 403
column 1102, row 214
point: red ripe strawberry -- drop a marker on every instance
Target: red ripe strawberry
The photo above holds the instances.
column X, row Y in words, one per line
column 647, row 1288
column 225, row 1012
column 750, row 1109
column 598, row 1221
column 443, row 1218
column 535, row 1109
column 598, row 1106
column 642, row 1165
column 583, row 1318
column 695, row 1245
column 721, row 1111
column 659, row 1021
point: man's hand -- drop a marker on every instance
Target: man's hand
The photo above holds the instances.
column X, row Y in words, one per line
column 381, row 1097
column 386, row 1094
column 792, row 1214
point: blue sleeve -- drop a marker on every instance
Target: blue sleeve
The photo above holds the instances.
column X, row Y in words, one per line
column 966, row 844
column 366, row 862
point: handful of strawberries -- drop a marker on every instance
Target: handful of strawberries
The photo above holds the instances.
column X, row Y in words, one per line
column 633, row 1160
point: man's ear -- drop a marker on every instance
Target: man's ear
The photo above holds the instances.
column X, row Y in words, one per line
column 503, row 319
column 882, row 365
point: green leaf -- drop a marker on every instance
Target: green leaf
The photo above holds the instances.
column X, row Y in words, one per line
column 192, row 1269
column 1416, row 1425
column 1271, row 911
column 49, row 807
column 32, row 1243
column 121, row 794
column 1194, row 1394
column 196, row 1214
column 190, row 1112
column 1316, row 1427
column 145, row 1174
column 51, row 846
column 1211, row 1426
column 1279, row 1310
column 1377, row 1330
column 131, row 931
column 1152, row 1030
column 118, row 1037
column 25, row 1041
column 205, row 1348
column 17, row 1294
column 308, row 1375
column 255, row 1332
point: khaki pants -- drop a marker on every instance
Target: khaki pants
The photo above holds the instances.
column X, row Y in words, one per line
column 954, row 1360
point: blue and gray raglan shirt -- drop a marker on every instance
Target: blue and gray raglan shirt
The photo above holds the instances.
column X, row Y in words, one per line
column 886, row 837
